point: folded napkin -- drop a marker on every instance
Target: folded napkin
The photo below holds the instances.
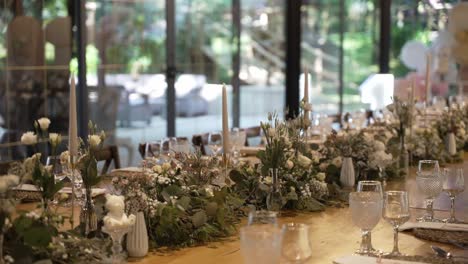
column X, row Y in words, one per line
column 431, row 225
column 354, row 259
column 250, row 151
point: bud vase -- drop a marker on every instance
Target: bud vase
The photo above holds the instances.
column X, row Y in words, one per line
column 274, row 199
column 403, row 162
column 347, row 176
column 451, row 144
column 137, row 239
column 88, row 218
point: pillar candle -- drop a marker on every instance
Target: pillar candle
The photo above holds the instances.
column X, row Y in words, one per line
column 72, row 125
column 428, row 77
column 225, row 122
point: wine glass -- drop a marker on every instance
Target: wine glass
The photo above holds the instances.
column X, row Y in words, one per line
column 152, row 152
column 453, row 184
column 263, row 218
column 366, row 209
column 261, row 244
column 296, row 246
column 215, row 142
column 370, row 186
column 430, row 185
column 57, row 169
column 396, row 212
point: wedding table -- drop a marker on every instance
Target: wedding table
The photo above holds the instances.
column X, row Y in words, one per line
column 333, row 233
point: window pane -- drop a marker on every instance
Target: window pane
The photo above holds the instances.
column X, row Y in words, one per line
column 35, row 52
column 125, row 72
column 262, row 71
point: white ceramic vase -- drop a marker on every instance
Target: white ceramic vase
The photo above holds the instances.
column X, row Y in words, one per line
column 451, row 144
column 347, row 177
column 137, row 238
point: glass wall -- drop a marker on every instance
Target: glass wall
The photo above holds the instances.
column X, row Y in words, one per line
column 35, row 52
column 262, row 69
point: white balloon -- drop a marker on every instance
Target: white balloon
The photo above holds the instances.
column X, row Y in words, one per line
column 413, row 55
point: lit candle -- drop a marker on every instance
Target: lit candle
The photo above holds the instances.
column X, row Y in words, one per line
column 306, row 92
column 72, row 125
column 225, row 122
column 428, row 77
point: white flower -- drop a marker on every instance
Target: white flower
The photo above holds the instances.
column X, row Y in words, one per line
column 44, row 123
column 289, row 164
column 461, row 132
column 64, row 157
column 209, row 192
column 337, row 161
column 33, row 215
column 157, row 168
column 166, row 166
column 268, row 180
column 323, row 166
column 320, row 176
column 55, row 139
column 29, row 138
column 88, row 251
column 9, row 259
column 94, row 140
column 292, row 189
column 65, row 256
column 379, row 146
column 303, row 161
column 8, row 181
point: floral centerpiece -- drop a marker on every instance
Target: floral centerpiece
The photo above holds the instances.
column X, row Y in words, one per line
column 182, row 206
column 452, row 124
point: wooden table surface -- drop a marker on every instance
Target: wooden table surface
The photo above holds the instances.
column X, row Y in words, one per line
column 332, row 233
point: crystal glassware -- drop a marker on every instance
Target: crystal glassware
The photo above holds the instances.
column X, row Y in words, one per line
column 117, row 234
column 396, row 212
column 429, row 184
column 366, row 210
column 263, row 218
column 215, row 142
column 152, row 153
column 261, row 244
column 296, row 245
column 370, row 186
column 453, row 184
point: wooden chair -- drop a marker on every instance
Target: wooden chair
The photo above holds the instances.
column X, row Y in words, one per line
column 199, row 141
column 108, row 154
column 253, row 132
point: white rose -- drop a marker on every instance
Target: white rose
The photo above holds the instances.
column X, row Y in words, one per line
column 44, row 123
column 461, row 132
column 307, row 107
column 379, row 146
column 292, row 189
column 289, row 164
column 55, row 139
column 323, row 166
column 268, row 180
column 29, row 138
column 337, row 161
column 166, row 166
column 320, row 176
column 303, row 161
column 94, row 140
column 209, row 192
column 64, row 157
column 157, row 169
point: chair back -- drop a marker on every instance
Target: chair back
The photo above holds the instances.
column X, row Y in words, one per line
column 108, row 154
column 199, row 141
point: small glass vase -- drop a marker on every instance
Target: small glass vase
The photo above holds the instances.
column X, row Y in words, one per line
column 274, row 199
column 88, row 218
column 403, row 162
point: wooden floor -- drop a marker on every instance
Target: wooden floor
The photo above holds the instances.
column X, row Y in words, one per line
column 332, row 233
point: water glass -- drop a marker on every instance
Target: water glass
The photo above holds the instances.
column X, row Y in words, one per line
column 261, row 244
column 263, row 218
column 429, row 184
column 370, row 186
column 453, row 184
column 152, row 153
column 396, row 212
column 296, row 246
column 215, row 142
column 57, row 169
column 366, row 210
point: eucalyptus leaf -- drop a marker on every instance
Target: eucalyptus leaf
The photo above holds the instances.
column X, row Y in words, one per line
column 184, row 202
column 211, row 209
column 199, row 218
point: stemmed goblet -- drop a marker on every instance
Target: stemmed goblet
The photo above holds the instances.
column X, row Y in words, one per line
column 366, row 210
column 370, row 186
column 430, row 185
column 215, row 142
column 453, row 184
column 396, row 212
